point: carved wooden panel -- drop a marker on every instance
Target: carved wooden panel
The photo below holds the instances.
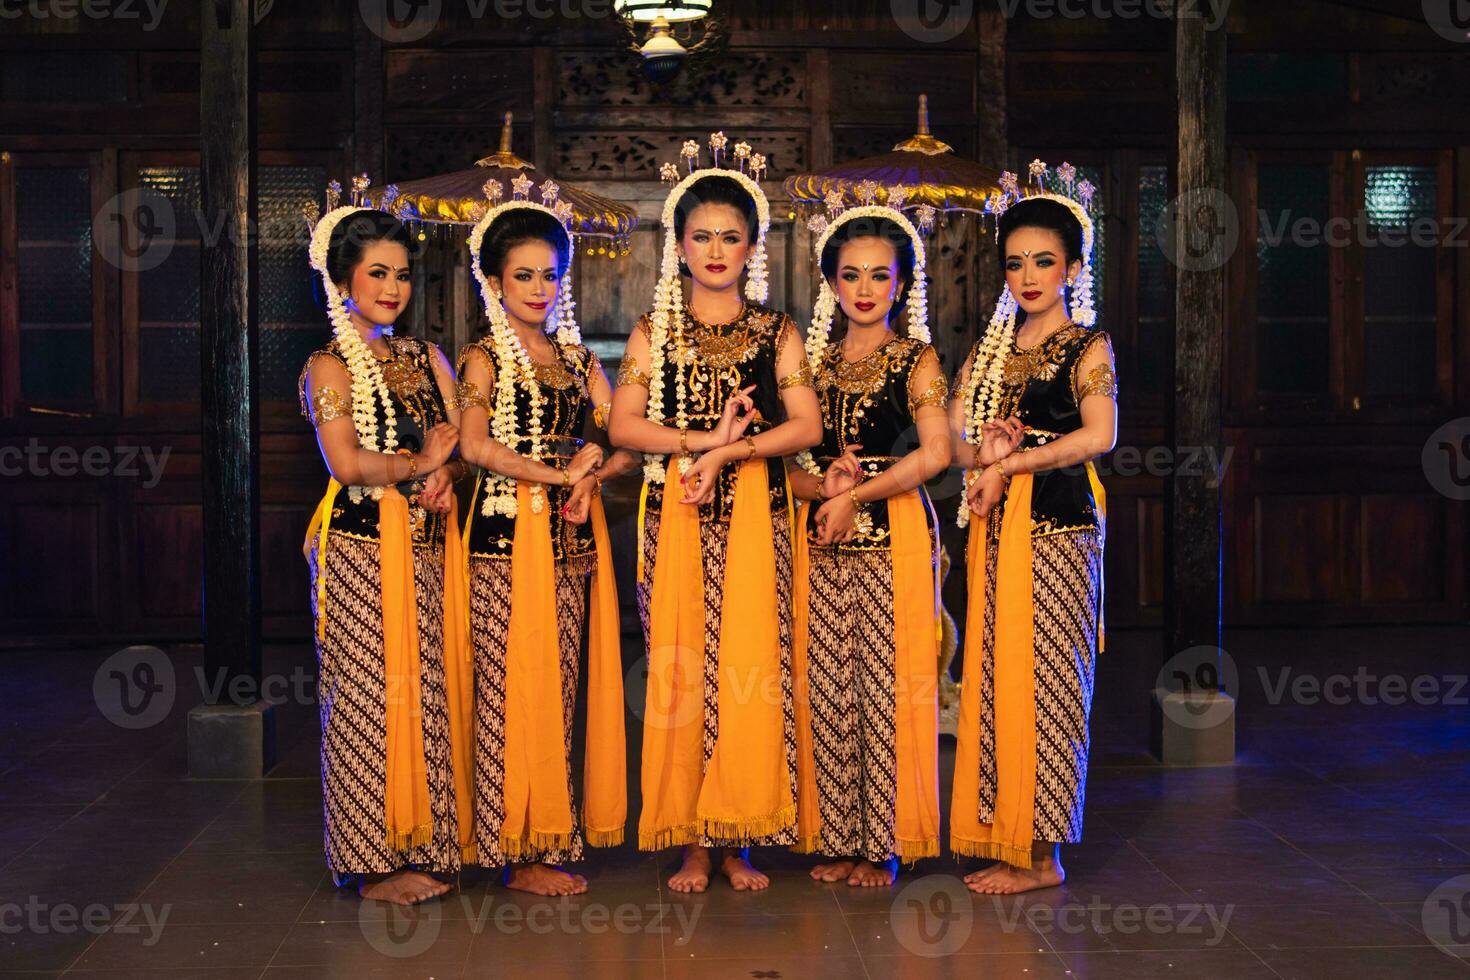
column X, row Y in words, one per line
column 461, row 82
column 1137, row 76
column 1416, row 77
column 759, row 79
column 621, row 155
column 423, row 151
column 866, row 84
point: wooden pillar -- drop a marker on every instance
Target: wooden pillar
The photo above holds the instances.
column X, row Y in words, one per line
column 1193, row 720
column 233, row 737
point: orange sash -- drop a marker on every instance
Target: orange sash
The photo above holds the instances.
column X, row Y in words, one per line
column 605, row 766
column 1008, row 838
column 746, row 790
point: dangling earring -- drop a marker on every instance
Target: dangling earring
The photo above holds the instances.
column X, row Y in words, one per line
column 1069, row 281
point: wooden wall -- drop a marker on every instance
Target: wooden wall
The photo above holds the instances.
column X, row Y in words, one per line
column 1324, row 494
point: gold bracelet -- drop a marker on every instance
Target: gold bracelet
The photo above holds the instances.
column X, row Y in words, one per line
column 566, row 478
column 598, row 480
column 1000, row 464
column 856, row 501
column 750, row 441
column 413, row 469
column 684, row 442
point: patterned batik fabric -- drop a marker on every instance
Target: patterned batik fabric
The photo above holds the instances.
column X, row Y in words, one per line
column 1066, row 572
column 351, row 691
column 850, row 664
column 490, row 585
column 714, row 540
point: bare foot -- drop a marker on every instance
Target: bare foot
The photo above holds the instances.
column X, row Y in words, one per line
column 870, row 875
column 834, row 870
column 1046, row 873
column 544, row 879
column 742, row 876
column 693, row 874
column 403, row 888
column 975, row 877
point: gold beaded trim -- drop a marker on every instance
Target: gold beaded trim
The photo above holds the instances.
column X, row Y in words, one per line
column 800, row 378
column 628, row 374
column 1100, row 381
column 327, row 404
column 470, row 396
column 936, row 394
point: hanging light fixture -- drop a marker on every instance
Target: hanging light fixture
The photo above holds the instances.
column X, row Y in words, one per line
column 662, row 53
column 673, row 11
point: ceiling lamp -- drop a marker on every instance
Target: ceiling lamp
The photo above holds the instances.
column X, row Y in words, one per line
column 663, row 53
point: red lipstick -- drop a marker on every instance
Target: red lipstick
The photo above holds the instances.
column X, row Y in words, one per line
column 1031, row 295
column 716, row 268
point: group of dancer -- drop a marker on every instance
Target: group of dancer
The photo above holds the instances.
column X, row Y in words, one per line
column 787, row 558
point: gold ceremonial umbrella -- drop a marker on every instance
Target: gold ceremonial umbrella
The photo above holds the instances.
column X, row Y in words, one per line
column 460, row 198
column 936, row 178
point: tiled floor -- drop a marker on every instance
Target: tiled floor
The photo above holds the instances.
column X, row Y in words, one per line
column 1335, row 848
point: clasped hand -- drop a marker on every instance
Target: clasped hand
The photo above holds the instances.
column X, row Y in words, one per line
column 701, row 479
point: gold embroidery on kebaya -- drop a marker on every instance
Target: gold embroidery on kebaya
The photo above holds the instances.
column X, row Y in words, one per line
column 1100, row 381
column 628, row 374
column 470, row 396
column 327, row 404
column 802, row 377
column 936, row 394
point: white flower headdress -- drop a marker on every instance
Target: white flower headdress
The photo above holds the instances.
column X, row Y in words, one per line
column 513, row 360
column 668, row 304
column 369, row 388
column 982, row 394
column 825, row 307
